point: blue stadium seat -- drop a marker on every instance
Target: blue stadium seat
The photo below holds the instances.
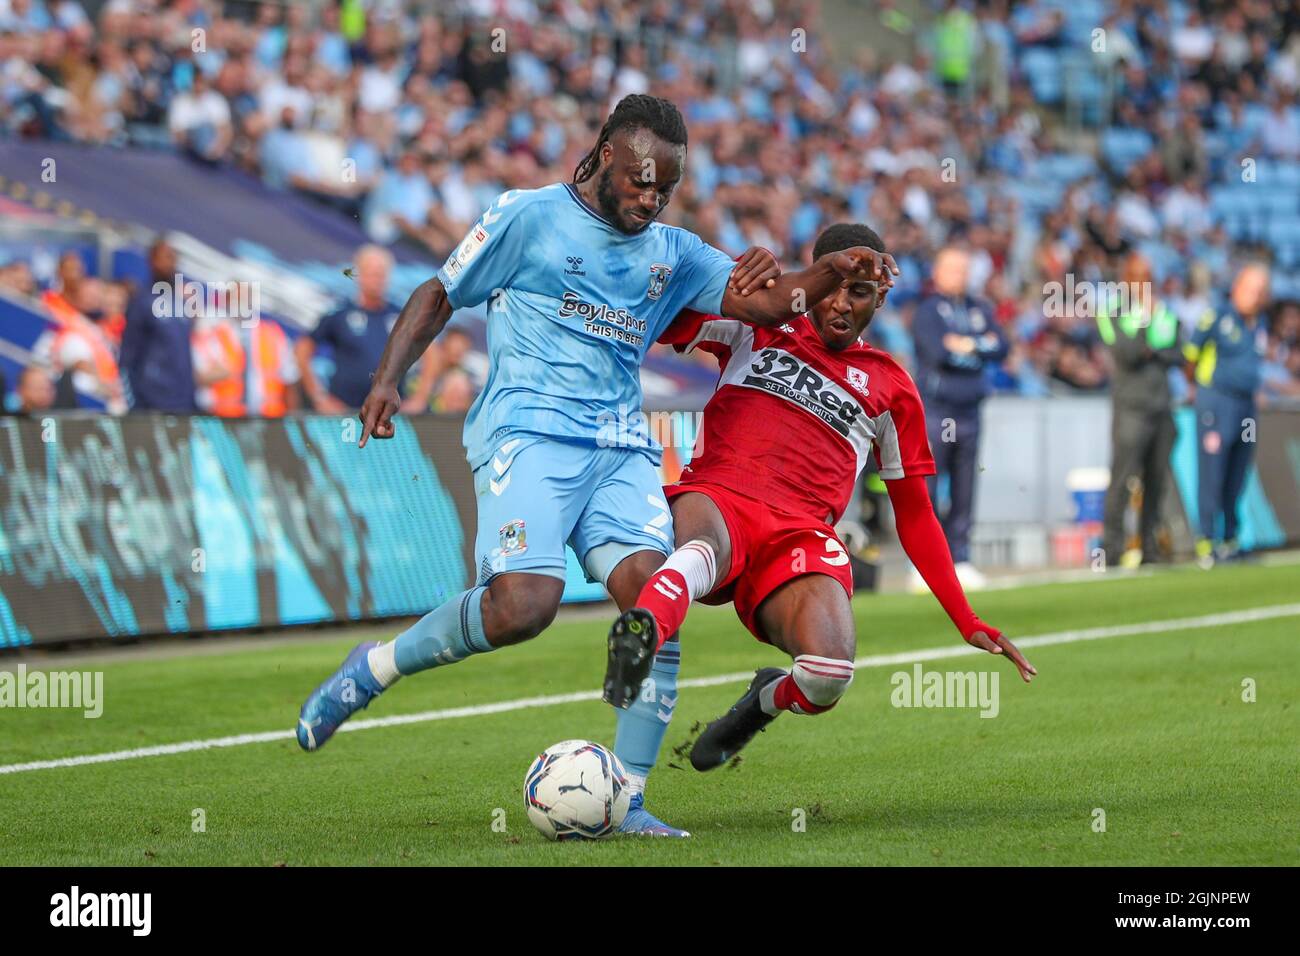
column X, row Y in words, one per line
column 1164, row 259
column 1236, row 199
column 1037, row 196
column 1283, row 234
column 1250, row 118
column 1121, row 147
column 1280, row 182
column 1064, row 168
column 1216, row 145
column 1088, row 87
column 1287, row 174
column 1255, row 114
column 1241, row 208
column 1042, row 67
column 1285, row 285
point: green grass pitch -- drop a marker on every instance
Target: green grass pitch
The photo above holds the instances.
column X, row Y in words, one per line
column 1149, row 728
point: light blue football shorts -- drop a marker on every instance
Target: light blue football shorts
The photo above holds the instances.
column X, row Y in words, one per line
column 537, row 494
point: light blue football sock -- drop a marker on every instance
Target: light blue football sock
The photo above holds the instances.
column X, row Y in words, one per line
column 642, row 726
column 445, row 635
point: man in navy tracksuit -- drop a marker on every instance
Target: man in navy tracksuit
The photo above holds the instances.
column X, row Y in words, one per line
column 155, row 360
column 956, row 338
column 1227, row 350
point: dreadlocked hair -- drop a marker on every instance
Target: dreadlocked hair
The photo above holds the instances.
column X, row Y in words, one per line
column 635, row 111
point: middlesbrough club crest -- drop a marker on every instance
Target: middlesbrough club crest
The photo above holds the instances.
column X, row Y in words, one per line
column 659, row 274
column 858, row 379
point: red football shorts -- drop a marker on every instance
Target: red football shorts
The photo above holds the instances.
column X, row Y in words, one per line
column 768, row 548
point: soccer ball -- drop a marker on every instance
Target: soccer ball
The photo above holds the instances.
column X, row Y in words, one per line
column 576, row 790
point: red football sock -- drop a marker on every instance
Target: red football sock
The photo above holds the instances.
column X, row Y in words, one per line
column 788, row 696
column 665, row 596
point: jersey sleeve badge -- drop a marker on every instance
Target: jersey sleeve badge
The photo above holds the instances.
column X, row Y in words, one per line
column 472, row 244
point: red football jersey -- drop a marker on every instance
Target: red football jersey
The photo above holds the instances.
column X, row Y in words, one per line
column 792, row 422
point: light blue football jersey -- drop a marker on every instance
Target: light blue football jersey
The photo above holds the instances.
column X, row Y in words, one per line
column 572, row 304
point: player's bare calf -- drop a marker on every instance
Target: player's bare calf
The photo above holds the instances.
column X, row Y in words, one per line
column 809, row 618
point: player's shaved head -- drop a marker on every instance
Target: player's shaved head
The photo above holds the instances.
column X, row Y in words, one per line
column 844, row 315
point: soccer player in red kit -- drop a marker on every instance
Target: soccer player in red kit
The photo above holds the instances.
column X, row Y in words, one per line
column 797, row 410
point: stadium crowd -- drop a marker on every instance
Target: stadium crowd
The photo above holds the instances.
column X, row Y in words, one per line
column 951, row 130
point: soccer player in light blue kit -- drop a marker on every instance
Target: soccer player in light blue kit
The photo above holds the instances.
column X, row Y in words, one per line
column 579, row 281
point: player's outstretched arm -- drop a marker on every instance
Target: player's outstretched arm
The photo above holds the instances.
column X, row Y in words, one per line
column 922, row 538
column 425, row 314
column 797, row 292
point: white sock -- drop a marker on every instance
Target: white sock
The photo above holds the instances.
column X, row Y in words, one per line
column 383, row 663
column 696, row 562
column 635, row 784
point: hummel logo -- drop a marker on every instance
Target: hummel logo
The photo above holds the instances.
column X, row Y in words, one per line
column 668, row 702
column 575, row 266
column 787, row 328
column 500, row 467
column 655, row 524
column 580, row 785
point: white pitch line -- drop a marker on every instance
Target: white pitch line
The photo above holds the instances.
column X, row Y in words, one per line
column 478, row 710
